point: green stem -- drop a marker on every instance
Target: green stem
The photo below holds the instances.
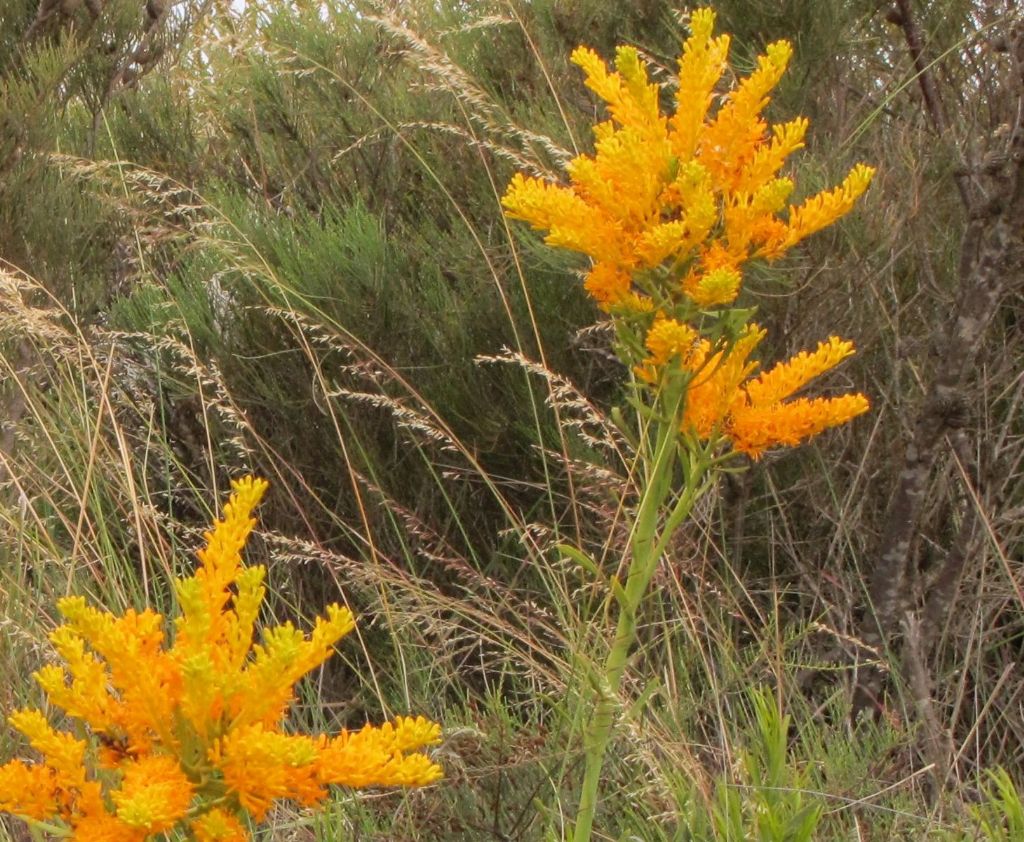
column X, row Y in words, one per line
column 646, row 545
column 37, row 828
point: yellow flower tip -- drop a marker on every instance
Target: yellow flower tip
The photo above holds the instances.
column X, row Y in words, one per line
column 662, row 241
column 219, row 826
column 669, row 339
column 340, row 619
column 585, row 58
column 414, row 770
column 788, row 137
column 329, row 630
column 415, row 732
column 606, row 85
column 246, row 495
column 154, row 794
column 631, row 304
column 858, row 180
column 72, row 607
column 718, row 287
column 770, row 198
column 778, row 54
column 250, row 485
column 377, row 756
column 702, row 23
column 514, row 200
column 717, row 280
column 627, row 62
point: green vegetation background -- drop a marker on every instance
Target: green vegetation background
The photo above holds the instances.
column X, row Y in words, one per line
column 271, row 241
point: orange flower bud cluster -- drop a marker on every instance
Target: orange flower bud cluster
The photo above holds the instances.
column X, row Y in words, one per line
column 670, row 207
column 753, row 413
column 696, row 190
column 190, row 736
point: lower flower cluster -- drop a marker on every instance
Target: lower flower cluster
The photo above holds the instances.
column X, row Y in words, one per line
column 189, row 735
column 753, row 413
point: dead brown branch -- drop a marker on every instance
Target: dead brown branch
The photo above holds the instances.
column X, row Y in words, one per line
column 991, row 266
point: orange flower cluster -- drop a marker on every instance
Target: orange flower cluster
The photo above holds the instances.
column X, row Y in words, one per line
column 691, row 194
column 723, row 399
column 189, row 736
column 670, row 208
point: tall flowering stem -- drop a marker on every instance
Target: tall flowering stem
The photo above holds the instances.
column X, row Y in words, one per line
column 661, row 509
column 190, row 736
column 669, row 209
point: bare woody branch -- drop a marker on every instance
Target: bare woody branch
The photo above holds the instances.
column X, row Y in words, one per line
column 991, row 266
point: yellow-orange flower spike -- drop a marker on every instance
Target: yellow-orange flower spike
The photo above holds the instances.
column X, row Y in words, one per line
column 662, row 189
column 754, row 429
column 64, row 753
column 789, row 377
column 701, row 65
column 260, row 765
column 173, row 734
column 356, row 758
column 759, row 416
column 752, row 413
column 821, row 210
